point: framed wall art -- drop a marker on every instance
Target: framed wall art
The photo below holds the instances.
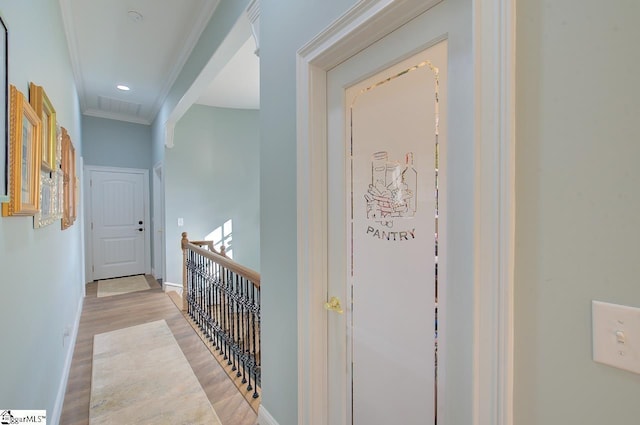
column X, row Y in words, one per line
column 51, row 177
column 69, row 180
column 25, row 156
column 4, row 113
column 47, row 214
column 73, row 184
column 44, row 109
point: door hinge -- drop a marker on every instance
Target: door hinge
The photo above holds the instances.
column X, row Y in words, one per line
column 93, row 269
column 90, row 182
column 92, row 225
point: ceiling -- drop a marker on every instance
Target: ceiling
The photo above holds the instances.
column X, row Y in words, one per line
column 144, row 44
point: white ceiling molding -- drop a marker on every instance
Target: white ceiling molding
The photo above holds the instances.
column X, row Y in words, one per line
column 253, row 13
column 194, row 36
column 70, row 32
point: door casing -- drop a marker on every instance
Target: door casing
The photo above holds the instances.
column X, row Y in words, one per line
column 158, row 221
column 494, row 205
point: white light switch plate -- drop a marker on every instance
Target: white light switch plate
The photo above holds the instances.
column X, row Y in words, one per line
column 180, row 221
column 616, row 335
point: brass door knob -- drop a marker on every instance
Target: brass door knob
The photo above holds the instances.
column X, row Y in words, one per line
column 334, row 305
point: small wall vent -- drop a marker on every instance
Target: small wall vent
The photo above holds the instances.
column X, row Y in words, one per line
column 116, row 106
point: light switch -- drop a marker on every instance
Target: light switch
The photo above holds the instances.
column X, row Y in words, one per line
column 616, row 335
column 180, row 222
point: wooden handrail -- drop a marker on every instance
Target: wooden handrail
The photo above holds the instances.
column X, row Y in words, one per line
column 220, row 258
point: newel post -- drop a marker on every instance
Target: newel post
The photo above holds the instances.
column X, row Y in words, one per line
column 183, row 244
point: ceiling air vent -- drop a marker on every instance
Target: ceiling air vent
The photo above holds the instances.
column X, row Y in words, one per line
column 116, row 106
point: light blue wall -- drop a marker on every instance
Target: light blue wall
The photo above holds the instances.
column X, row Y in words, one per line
column 212, row 175
column 114, row 143
column 285, row 26
column 578, row 205
column 41, row 270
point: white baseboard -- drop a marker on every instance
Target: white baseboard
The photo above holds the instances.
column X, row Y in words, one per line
column 170, row 286
column 62, row 388
column 265, row 418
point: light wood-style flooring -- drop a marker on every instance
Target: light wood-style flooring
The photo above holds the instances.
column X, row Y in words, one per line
column 120, row 311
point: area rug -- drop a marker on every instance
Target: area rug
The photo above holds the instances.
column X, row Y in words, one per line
column 141, row 376
column 122, row 285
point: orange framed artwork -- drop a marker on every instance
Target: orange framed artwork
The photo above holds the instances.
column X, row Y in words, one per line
column 25, row 156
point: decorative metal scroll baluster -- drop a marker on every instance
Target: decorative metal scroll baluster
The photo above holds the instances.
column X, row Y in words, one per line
column 225, row 305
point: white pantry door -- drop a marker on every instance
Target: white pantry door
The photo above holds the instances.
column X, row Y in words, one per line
column 386, row 125
column 118, row 223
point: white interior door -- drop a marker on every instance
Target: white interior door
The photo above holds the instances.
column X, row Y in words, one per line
column 386, row 125
column 118, row 214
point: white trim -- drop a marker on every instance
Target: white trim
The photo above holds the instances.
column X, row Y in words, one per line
column 494, row 65
column 158, row 222
column 98, row 113
column 62, row 388
column 265, row 418
column 494, row 50
column 88, row 213
column 170, row 286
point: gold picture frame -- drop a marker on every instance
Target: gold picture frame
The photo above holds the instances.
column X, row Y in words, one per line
column 44, row 109
column 51, row 183
column 69, row 180
column 73, row 184
column 25, row 155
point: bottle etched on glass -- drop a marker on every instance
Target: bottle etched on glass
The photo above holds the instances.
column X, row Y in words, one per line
column 410, row 184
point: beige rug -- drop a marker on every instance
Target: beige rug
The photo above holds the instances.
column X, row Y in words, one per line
column 141, row 376
column 122, row 285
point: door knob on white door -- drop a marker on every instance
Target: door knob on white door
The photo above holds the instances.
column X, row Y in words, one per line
column 334, row 305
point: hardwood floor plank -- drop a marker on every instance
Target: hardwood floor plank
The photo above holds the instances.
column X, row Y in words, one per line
column 106, row 314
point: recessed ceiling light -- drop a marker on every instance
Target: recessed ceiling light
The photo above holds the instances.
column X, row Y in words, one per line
column 123, row 87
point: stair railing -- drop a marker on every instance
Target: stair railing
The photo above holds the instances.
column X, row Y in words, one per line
column 222, row 298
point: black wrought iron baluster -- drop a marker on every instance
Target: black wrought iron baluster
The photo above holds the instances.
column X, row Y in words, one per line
column 246, row 342
column 256, row 342
column 212, row 292
column 243, row 328
column 239, row 301
column 190, row 290
column 225, row 312
column 257, row 354
column 208, row 305
column 201, row 281
column 199, row 293
column 187, row 289
column 214, row 268
column 228, row 328
column 252, row 343
column 218, row 306
column 193, row 298
column 235, row 318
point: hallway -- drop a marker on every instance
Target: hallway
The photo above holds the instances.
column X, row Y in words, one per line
column 106, row 314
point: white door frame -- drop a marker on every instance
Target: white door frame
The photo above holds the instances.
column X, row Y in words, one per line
column 158, row 222
column 494, row 212
column 88, row 169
